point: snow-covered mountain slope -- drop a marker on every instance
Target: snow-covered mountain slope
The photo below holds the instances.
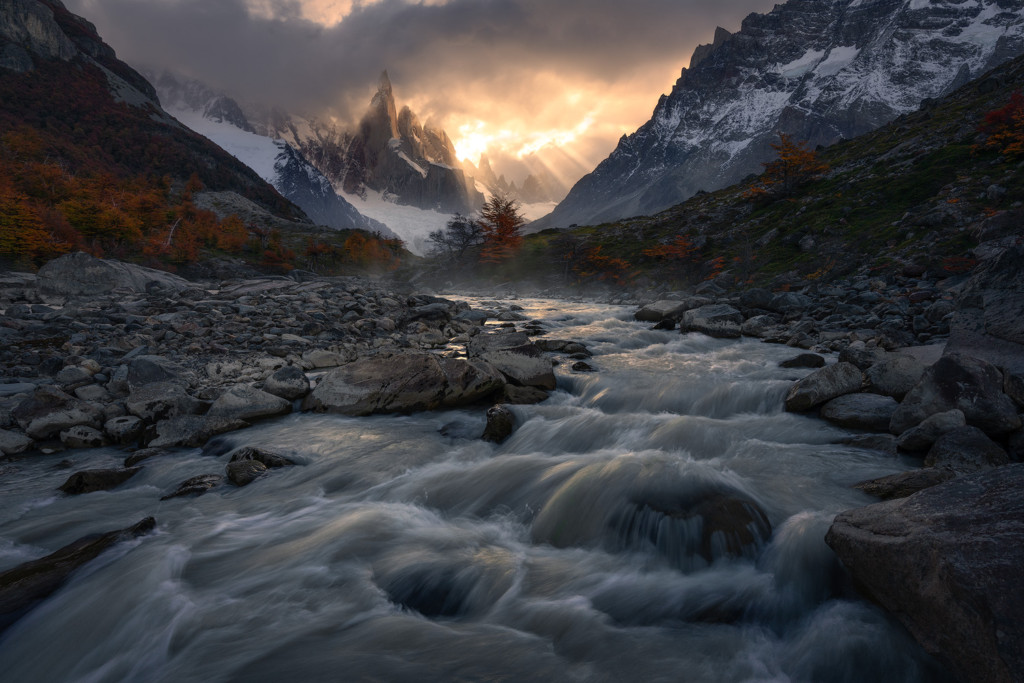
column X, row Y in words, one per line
column 388, row 152
column 819, row 70
column 221, row 120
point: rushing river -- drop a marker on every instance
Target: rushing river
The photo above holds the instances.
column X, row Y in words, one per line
column 598, row 543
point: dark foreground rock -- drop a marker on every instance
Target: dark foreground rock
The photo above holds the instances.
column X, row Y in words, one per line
column 947, row 563
column 870, row 412
column 903, row 484
column 961, row 382
column 500, row 423
column 88, row 481
column 245, row 472
column 24, row 586
column 824, row 385
column 196, row 486
column 515, row 356
column 404, row 383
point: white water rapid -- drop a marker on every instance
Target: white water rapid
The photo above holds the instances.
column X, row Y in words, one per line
column 661, row 519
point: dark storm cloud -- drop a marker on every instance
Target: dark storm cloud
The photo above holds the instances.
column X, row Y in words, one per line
column 438, row 48
column 499, row 75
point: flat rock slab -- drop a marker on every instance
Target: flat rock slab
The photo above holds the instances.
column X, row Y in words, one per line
column 947, row 563
column 403, row 383
column 24, row 586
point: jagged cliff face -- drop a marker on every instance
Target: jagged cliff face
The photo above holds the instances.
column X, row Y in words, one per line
column 816, row 69
column 393, row 154
column 389, row 153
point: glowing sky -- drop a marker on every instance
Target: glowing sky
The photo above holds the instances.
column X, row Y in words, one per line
column 563, row 79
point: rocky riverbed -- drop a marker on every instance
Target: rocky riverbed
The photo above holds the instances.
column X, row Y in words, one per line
column 99, row 353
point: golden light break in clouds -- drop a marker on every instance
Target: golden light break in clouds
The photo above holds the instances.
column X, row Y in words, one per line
column 555, row 81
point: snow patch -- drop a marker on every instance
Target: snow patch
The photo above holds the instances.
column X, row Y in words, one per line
column 838, row 59
column 798, row 67
column 255, row 151
column 411, row 224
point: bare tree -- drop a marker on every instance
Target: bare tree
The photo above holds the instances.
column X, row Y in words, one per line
column 457, row 241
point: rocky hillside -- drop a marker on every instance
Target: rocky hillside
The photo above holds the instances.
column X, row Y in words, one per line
column 818, row 70
column 97, row 114
column 923, row 195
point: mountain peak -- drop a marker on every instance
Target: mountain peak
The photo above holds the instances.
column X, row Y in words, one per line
column 384, row 83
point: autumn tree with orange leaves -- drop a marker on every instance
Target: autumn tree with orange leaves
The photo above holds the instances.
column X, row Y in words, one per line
column 674, row 256
column 795, row 166
column 1005, row 126
column 500, row 221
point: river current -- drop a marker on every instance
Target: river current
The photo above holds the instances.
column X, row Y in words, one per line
column 600, row 542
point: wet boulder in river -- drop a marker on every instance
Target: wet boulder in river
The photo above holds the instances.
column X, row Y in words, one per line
column 403, row 383
column 519, row 359
column 946, row 562
column 824, row 385
column 24, row 586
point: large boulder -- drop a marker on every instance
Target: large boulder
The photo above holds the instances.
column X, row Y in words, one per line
column 921, row 437
column 13, row 443
column 714, row 320
column 500, row 423
column 244, row 472
column 989, row 318
column 894, row 375
column 661, row 310
column 964, row 450
column 88, row 481
column 515, row 356
column 49, row 411
column 24, row 586
column 963, row 382
column 243, row 402
column 946, row 562
column 824, row 385
column 403, row 383
column 289, row 383
column 870, row 412
column 192, row 431
column 80, row 274
column 161, row 400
